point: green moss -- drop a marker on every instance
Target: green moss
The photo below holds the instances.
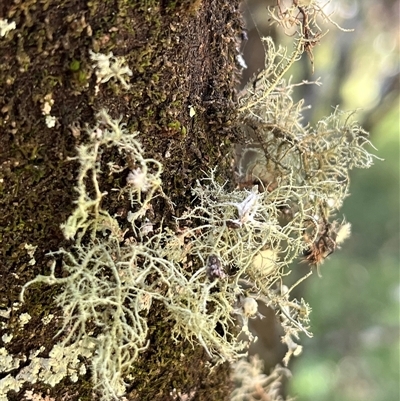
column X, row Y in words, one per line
column 74, row 65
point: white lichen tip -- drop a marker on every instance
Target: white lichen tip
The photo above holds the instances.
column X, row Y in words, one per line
column 24, row 318
column 248, row 208
column 138, row 179
column 7, row 361
column 7, row 384
column 50, row 121
column 6, row 338
column 108, row 66
column 250, row 307
column 252, row 384
column 343, row 233
column 6, row 27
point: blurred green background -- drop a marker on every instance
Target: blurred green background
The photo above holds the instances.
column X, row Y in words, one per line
column 355, row 352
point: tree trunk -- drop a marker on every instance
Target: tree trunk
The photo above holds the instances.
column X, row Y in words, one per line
column 182, row 58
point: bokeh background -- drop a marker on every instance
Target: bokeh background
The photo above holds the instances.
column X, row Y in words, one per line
column 354, row 354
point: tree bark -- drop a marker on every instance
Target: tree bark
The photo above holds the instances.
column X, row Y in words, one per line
column 182, row 55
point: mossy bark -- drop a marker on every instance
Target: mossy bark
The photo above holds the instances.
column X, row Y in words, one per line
column 182, row 54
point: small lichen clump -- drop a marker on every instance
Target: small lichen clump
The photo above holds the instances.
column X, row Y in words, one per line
column 251, row 384
column 6, row 27
column 108, row 67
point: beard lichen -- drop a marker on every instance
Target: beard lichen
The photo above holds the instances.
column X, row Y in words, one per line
column 110, row 281
column 228, row 251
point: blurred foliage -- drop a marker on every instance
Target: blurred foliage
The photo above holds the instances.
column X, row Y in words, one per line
column 354, row 354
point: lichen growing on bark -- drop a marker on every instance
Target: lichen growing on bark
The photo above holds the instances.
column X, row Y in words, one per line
column 166, row 256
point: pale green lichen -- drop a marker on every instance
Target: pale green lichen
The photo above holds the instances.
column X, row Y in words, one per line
column 110, row 286
column 63, row 361
column 47, row 319
column 235, row 239
column 251, row 384
column 228, row 252
column 31, row 249
column 6, row 338
column 24, row 318
column 7, row 361
column 88, row 213
column 110, row 67
column 8, row 383
column 6, row 27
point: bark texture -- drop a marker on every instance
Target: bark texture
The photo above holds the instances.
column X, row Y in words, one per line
column 182, row 54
